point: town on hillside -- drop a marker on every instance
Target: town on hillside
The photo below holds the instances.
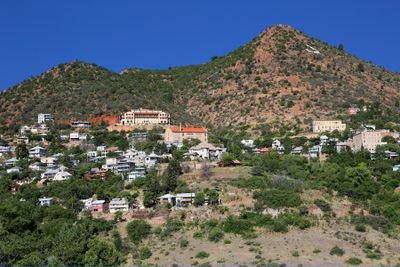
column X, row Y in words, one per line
column 139, row 170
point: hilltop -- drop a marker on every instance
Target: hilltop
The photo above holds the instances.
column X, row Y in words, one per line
column 280, row 77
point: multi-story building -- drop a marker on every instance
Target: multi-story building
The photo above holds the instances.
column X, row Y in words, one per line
column 369, row 140
column 176, row 135
column 118, row 204
column 328, row 126
column 44, row 117
column 144, row 117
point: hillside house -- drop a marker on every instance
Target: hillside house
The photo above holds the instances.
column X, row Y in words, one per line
column 80, row 124
column 10, row 162
column 118, row 204
column 62, row 176
column 98, row 206
column 368, row 140
column 124, row 165
column 15, row 169
column 178, row 200
column 205, row 151
column 37, row 166
column 176, row 135
column 151, row 160
column 96, row 172
column 328, row 126
column 45, row 201
column 76, row 137
column 44, row 118
column 37, row 152
column 138, row 172
column 49, row 173
column 144, row 117
column 248, row 143
column 277, row 145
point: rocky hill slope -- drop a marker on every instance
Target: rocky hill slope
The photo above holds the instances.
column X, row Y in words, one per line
column 282, row 77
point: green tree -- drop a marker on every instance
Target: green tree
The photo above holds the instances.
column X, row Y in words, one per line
column 171, row 175
column 101, row 253
column 151, row 190
column 22, row 151
column 138, row 230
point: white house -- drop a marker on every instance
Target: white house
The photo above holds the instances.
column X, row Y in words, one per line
column 37, row 152
column 152, row 160
column 181, row 199
column 205, row 151
column 77, row 136
column 15, row 170
column 138, row 172
column 248, row 143
column 37, row 166
column 10, row 162
column 5, row 149
column 62, row 176
column 110, row 164
column 44, row 117
column 276, row 144
column 118, row 204
column 297, row 150
column 45, row 201
column 49, row 174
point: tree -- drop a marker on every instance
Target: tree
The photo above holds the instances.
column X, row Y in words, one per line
column 360, row 67
column 101, row 253
column 151, row 190
column 138, row 230
column 22, row 151
column 341, row 47
column 171, row 174
column 199, row 199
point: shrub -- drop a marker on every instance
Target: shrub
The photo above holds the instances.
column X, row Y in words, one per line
column 295, row 253
column 227, row 241
column 279, row 227
column 144, row 253
column 316, row 251
column 353, row 261
column 276, row 198
column 183, row 243
column 202, row 255
column 138, row 230
column 323, row 205
column 237, row 226
column 215, row 235
column 360, row 228
column 198, row 235
column 372, row 251
column 337, row 251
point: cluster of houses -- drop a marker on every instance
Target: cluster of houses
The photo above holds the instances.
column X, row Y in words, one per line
column 132, row 163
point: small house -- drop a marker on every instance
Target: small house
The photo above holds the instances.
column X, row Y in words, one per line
column 45, row 201
column 118, row 204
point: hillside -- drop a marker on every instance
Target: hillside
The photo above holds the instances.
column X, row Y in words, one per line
column 281, row 76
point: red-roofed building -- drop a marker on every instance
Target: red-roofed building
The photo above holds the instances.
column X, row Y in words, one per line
column 176, row 135
column 144, row 117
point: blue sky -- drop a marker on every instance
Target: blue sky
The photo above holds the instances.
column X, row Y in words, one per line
column 37, row 35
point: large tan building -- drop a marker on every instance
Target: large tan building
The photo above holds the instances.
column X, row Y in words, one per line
column 328, row 126
column 178, row 134
column 369, row 140
column 144, row 117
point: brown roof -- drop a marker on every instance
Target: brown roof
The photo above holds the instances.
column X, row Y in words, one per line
column 188, row 130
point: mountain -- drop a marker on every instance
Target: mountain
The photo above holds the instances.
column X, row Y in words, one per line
column 280, row 77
